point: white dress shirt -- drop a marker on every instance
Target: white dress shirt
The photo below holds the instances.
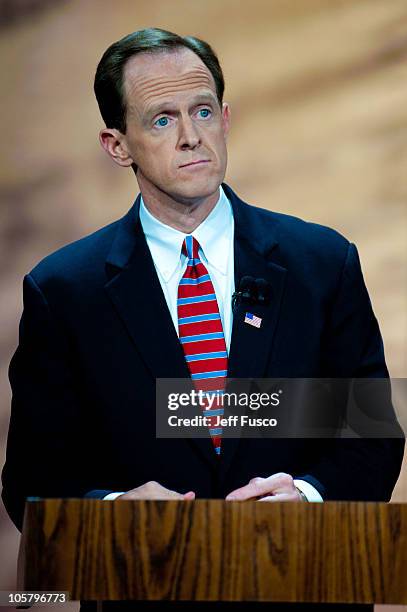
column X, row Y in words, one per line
column 215, row 236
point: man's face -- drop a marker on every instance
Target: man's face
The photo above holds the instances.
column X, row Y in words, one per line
column 176, row 130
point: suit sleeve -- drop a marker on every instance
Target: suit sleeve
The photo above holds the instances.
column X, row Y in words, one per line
column 47, row 451
column 355, row 469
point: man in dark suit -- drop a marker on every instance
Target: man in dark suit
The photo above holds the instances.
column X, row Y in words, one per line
column 102, row 320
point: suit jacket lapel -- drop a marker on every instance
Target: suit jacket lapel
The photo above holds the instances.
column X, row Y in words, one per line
column 254, row 244
column 138, row 299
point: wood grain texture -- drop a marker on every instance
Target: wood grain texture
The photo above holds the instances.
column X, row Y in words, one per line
column 215, row 550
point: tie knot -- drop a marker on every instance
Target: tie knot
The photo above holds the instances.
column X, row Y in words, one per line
column 190, row 247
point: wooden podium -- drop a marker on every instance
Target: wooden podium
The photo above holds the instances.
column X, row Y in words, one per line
column 212, row 550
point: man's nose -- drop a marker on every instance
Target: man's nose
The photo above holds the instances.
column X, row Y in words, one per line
column 189, row 137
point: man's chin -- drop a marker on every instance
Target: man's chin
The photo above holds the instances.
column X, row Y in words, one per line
column 197, row 190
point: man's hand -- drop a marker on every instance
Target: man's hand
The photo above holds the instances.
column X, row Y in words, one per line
column 153, row 490
column 278, row 487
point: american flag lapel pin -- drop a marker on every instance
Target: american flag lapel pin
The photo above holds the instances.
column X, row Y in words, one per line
column 251, row 319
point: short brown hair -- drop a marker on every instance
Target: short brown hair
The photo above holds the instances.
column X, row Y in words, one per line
column 109, row 83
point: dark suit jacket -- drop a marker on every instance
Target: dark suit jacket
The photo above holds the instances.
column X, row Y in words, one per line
column 96, row 333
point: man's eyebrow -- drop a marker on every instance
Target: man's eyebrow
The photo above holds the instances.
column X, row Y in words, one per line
column 168, row 106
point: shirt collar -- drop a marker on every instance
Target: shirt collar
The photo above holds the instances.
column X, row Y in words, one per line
column 213, row 234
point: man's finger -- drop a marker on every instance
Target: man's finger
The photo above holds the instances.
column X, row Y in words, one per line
column 279, row 497
column 277, row 483
column 189, row 495
column 247, row 492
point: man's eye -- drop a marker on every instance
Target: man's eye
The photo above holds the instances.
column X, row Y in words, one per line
column 162, row 122
column 204, row 113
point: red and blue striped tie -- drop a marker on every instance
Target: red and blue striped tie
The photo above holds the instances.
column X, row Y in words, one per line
column 201, row 334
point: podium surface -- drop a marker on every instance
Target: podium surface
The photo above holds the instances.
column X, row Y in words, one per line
column 212, row 550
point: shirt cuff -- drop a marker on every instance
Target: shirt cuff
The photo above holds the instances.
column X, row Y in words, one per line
column 114, row 495
column 309, row 491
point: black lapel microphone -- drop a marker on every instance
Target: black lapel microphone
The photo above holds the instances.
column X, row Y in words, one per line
column 251, row 291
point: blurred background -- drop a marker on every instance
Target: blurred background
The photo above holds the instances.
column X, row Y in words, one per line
column 318, row 93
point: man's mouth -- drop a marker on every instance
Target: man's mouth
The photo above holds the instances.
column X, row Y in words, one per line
column 195, row 163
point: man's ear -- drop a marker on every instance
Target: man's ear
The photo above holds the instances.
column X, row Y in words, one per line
column 114, row 143
column 226, row 118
